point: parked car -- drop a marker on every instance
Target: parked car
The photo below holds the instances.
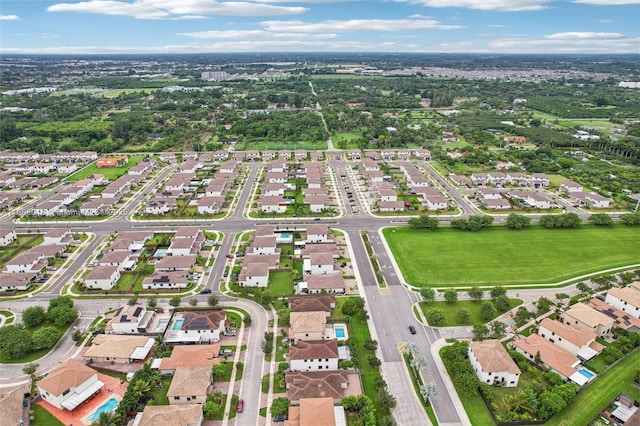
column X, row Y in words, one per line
column 206, row 291
column 225, row 274
column 280, row 418
column 240, row 406
column 229, row 256
column 412, row 329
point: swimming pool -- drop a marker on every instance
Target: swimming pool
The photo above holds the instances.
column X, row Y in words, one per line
column 586, row 373
column 110, row 405
column 160, row 252
column 340, row 331
column 178, row 324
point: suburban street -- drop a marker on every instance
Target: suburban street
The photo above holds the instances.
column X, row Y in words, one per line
column 391, row 311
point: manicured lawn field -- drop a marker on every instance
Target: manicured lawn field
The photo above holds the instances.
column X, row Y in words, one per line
column 500, row 256
column 451, row 311
column 43, row 418
column 280, row 283
column 110, row 173
column 597, row 395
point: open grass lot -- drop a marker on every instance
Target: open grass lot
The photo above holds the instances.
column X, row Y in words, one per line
column 598, row 394
column 500, row 256
column 280, row 283
column 451, row 311
column 42, row 417
column 110, row 173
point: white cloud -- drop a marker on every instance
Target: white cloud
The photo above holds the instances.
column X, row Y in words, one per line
column 495, row 26
column 569, row 42
column 584, row 35
column 607, row 2
column 9, row 17
column 252, row 35
column 175, row 9
column 607, row 21
column 502, row 5
column 353, row 25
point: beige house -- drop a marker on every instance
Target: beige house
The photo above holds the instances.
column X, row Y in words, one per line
column 119, row 349
column 581, row 343
column 492, row 363
column 170, row 415
column 69, row 385
column 189, row 385
column 626, row 299
column 307, row 326
column 316, row 412
column 190, row 356
column 583, row 317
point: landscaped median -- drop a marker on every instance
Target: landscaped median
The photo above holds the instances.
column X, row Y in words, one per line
column 501, row 256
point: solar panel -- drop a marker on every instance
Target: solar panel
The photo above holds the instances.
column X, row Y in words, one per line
column 136, row 313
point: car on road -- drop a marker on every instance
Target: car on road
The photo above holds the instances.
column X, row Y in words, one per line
column 412, row 329
column 206, row 291
column 229, row 256
column 317, row 219
column 225, row 274
column 240, row 406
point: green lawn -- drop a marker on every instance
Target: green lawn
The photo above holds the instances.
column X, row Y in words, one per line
column 43, row 418
column 500, row 256
column 110, row 173
column 597, row 395
column 451, row 311
column 280, row 283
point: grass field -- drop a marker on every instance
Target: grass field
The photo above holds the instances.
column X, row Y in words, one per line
column 597, row 395
column 500, row 256
column 42, row 417
column 451, row 311
column 110, row 173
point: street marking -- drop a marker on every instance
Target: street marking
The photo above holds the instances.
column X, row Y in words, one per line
column 401, row 345
column 384, row 291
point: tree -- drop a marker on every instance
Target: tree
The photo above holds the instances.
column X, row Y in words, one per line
column 45, row 338
column 518, row 221
column 522, row 315
column 550, row 403
column 279, row 406
column 480, row 331
column 219, row 371
column 435, row 316
column 30, row 369
column 385, row 400
column 349, row 308
column 132, row 301
column 370, row 345
column 61, row 301
column 424, row 221
column 213, row 300
column 498, row 329
column 212, row 409
column 15, row 341
column 33, row 316
column 428, row 390
column 503, row 304
column 451, row 296
column 107, row 418
column 600, row 219
column 374, row 361
column 463, row 315
column 543, row 304
column 267, row 343
column 175, row 301
column 62, row 316
column 487, row 311
column 562, row 296
column 630, row 219
column 141, row 387
column 193, row 301
column 497, row 292
column 584, row 288
column 152, row 303
column 476, row 293
column 428, row 294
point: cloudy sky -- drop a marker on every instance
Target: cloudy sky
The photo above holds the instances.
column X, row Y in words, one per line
column 442, row 26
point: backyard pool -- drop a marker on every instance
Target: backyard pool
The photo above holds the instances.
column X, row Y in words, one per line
column 160, row 253
column 162, row 325
column 340, row 331
column 110, row 405
column 178, row 324
column 285, row 237
column 586, row 373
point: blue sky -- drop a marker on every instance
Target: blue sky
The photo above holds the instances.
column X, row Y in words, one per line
column 442, row 26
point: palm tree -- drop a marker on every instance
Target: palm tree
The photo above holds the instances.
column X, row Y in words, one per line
column 411, row 348
column 428, row 390
column 418, row 363
column 107, row 418
column 141, row 387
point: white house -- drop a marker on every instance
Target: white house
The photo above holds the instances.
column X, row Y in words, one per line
column 314, row 355
column 102, row 277
column 166, row 280
column 69, row 385
column 208, row 205
column 626, row 299
column 318, row 234
column 570, row 186
column 435, row 202
column 271, row 204
column 264, row 244
column 492, row 363
column 581, row 343
column 583, row 317
column 196, row 327
column 540, row 180
column 254, row 275
column 7, row 236
column 129, row 319
column 317, row 203
column 319, row 264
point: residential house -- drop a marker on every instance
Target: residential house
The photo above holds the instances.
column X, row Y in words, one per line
column 7, row 236
column 422, row 154
column 319, row 264
column 317, row 203
column 119, row 349
column 316, row 284
column 493, row 204
column 69, row 385
column 620, row 318
column 390, row 206
column 102, row 277
column 315, row 384
column 316, row 412
column 17, row 281
column 273, row 189
column 461, row 180
column 12, row 409
column 264, row 245
column 531, row 199
column 160, row 205
column 176, row 263
column 535, row 347
column 492, row 363
column 189, row 385
column 58, row 236
column 307, row 326
column 170, row 415
column 166, row 280
column 540, row 180
column 435, row 202
column 271, row 204
column 479, row 179
column 488, row 193
column 597, row 201
column 569, row 186
column 318, row 234
column 517, row 179
column 130, row 319
column 581, row 343
column 310, row 355
column 121, row 259
column 197, row 327
column 322, row 302
column 583, row 317
column 190, row 356
column 254, row 274
column 626, row 299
